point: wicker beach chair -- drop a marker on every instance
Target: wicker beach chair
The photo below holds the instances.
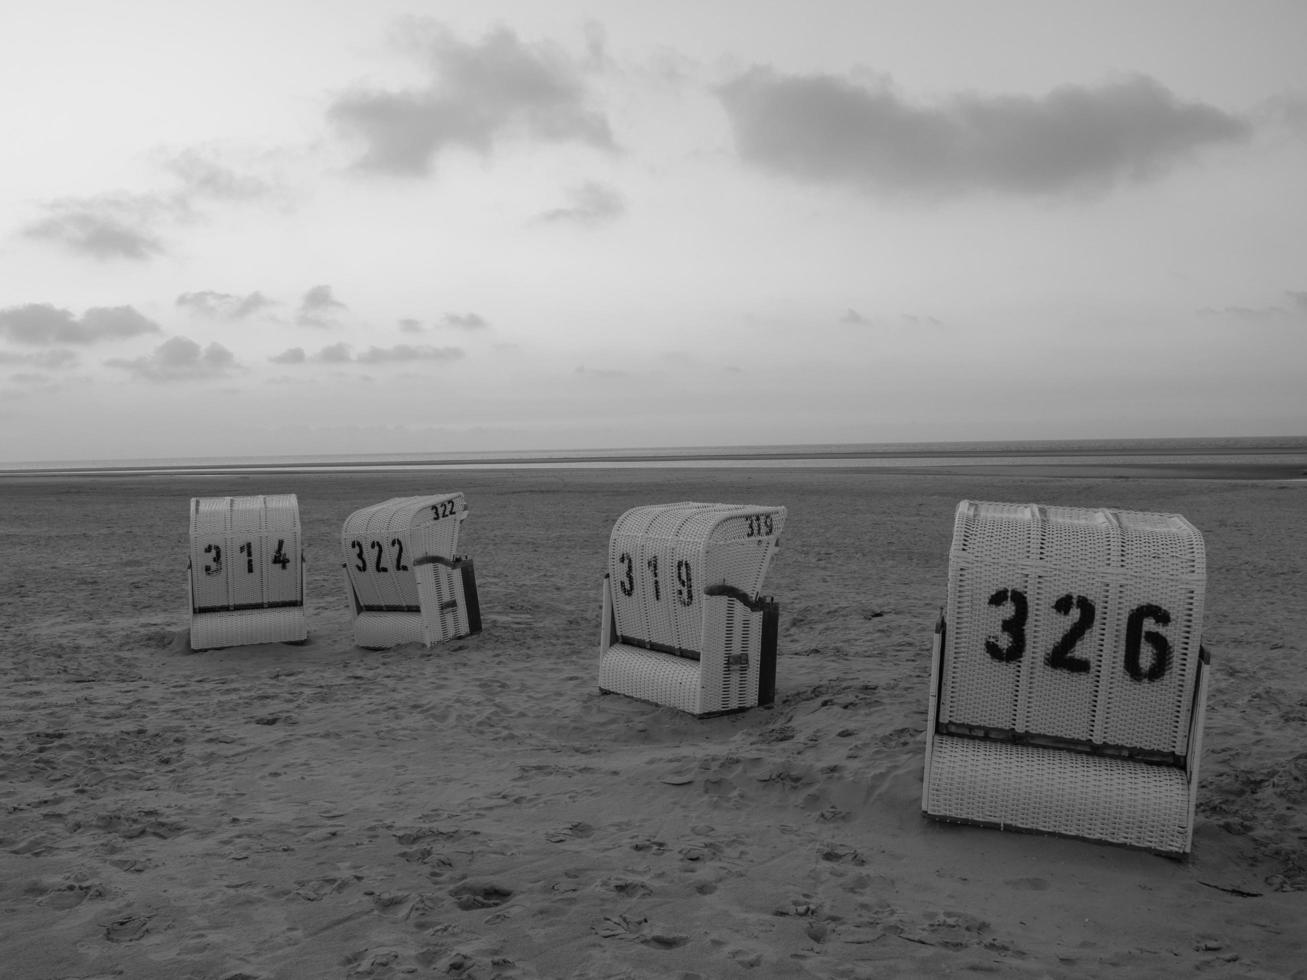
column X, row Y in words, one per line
column 403, row 573
column 246, row 576
column 682, row 622
column 1068, row 680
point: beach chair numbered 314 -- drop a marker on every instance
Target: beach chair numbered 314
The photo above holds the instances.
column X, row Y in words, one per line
column 246, row 577
column 403, row 573
column 682, row 622
column 1068, row 681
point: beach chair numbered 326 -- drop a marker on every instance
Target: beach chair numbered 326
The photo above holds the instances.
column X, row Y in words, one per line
column 1068, row 682
column 403, row 573
column 246, row 576
column 683, row 624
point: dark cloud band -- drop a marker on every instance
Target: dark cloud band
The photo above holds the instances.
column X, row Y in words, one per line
column 477, row 93
column 827, row 128
column 43, row 324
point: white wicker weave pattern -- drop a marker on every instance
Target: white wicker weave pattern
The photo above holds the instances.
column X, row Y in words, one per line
column 1120, row 562
column 398, row 594
column 210, row 631
column 662, row 678
column 246, row 577
column 446, row 607
column 1069, row 688
column 1025, row 787
column 670, row 641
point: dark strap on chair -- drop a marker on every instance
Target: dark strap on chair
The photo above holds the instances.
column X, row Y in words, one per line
column 739, row 595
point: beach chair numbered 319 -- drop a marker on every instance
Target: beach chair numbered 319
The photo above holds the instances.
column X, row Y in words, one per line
column 682, row 622
column 246, row 576
column 1068, row 681
column 403, row 574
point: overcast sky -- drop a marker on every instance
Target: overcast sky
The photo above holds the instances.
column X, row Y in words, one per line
column 318, row 226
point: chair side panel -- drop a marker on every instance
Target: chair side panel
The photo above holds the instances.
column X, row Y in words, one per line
column 426, row 526
column 741, row 544
column 732, row 662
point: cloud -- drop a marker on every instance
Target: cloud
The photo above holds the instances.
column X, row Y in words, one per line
column 317, row 307
column 477, row 94
column 334, row 354
column 407, row 352
column 459, row 321
column 465, row 321
column 827, row 128
column 124, row 225
column 854, row 318
column 398, row 354
column 292, row 355
column 108, row 226
column 592, row 204
column 203, row 175
column 28, row 378
column 54, row 359
column 179, row 359
column 41, row 323
column 1296, row 308
column 918, row 320
column 223, row 306
column 1247, row 314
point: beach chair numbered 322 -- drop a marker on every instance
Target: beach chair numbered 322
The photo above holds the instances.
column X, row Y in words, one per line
column 1068, row 682
column 683, row 624
column 246, row 576
column 403, row 573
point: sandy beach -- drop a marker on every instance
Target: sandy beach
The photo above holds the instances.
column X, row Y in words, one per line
column 480, row 809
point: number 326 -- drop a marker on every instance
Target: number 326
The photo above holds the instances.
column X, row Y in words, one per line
column 1060, row 656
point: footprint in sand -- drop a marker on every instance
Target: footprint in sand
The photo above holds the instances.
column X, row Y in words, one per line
column 636, row 930
column 127, row 928
column 575, row 831
column 627, row 887
column 71, row 895
column 480, row 895
column 664, row 941
column 315, row 889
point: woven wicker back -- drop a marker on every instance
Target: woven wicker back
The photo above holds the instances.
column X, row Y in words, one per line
column 245, row 552
column 662, row 557
column 1081, row 625
column 381, row 542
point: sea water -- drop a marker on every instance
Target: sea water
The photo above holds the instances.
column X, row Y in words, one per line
column 1283, row 452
